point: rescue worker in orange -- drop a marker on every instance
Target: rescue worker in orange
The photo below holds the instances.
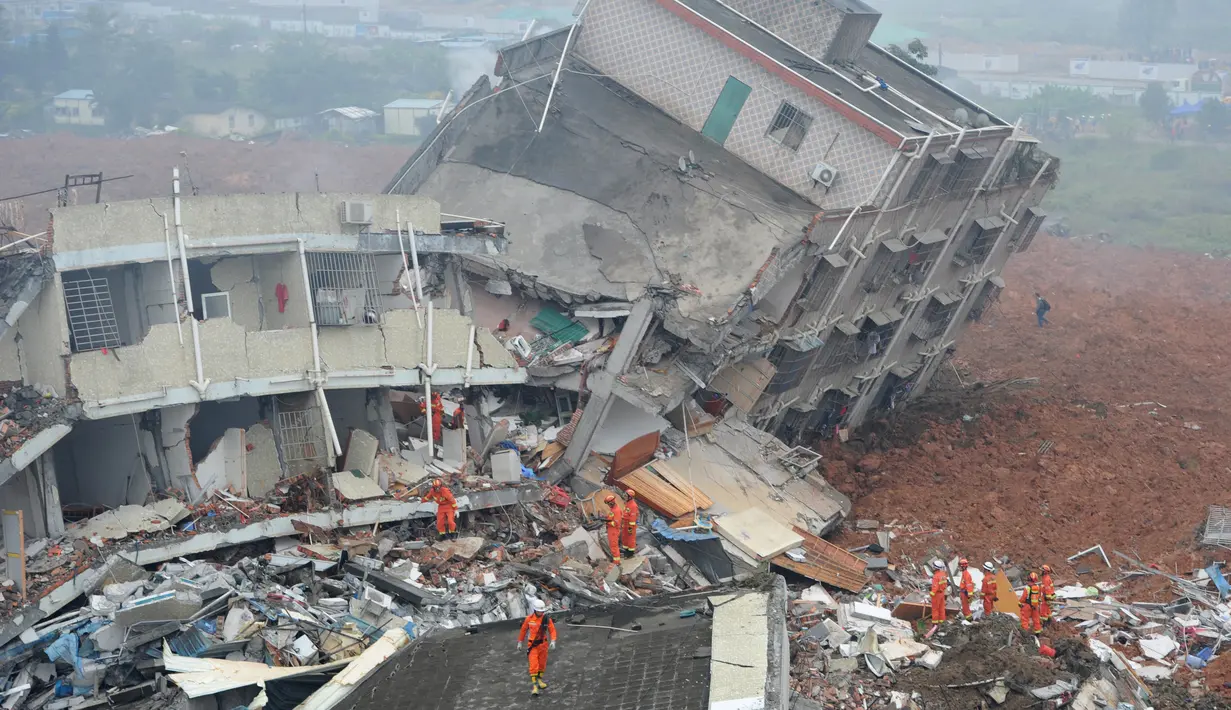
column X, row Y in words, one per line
column 966, row 588
column 628, row 535
column 940, row 586
column 438, row 415
column 1049, row 594
column 1031, row 599
column 615, row 518
column 446, row 508
column 540, row 631
column 988, row 589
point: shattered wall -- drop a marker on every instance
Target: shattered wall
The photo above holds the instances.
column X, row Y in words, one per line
column 101, row 463
column 10, row 359
column 213, row 419
column 99, row 230
column 44, row 338
column 229, row 352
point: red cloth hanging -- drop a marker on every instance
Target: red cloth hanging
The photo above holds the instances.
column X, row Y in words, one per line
column 283, row 296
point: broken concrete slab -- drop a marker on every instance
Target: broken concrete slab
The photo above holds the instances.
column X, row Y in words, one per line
column 506, row 466
column 167, row 606
column 464, row 548
column 353, row 485
column 594, row 551
column 361, row 451
column 170, row 509
column 453, row 446
column 264, row 468
column 225, row 467
column 756, row 533
column 391, row 468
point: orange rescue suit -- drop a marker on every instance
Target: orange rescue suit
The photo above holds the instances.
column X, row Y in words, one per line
column 966, row 589
column 539, row 630
column 1031, row 599
column 628, row 537
column 446, row 509
column 1049, row 596
column 988, row 591
column 940, row 585
column 615, row 516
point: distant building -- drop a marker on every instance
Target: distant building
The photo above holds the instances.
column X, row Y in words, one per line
column 76, row 107
column 230, row 121
column 349, row 120
column 405, row 117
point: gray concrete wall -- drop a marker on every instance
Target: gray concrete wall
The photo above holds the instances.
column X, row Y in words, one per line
column 44, row 338
column 108, row 226
column 640, row 44
column 10, row 358
column 274, row 269
column 156, row 295
column 100, row 463
column 15, row 493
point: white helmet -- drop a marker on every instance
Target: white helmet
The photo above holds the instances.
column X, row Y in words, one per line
column 989, row 566
column 538, row 605
column 938, row 564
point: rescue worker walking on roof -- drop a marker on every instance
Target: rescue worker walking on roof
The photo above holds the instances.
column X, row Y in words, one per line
column 540, row 631
column 987, row 590
column 446, row 508
column 628, row 535
column 940, row 587
column 1049, row 594
column 614, row 519
column 1031, row 599
column 966, row 588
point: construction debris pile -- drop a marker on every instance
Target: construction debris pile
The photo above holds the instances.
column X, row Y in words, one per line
column 25, row 411
column 872, row 648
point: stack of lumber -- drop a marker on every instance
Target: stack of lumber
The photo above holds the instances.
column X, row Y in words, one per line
column 668, row 493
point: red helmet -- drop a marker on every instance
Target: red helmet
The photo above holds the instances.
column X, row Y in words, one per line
column 964, row 562
column 1046, row 569
column 437, row 483
column 630, row 493
column 610, row 498
column 1034, row 576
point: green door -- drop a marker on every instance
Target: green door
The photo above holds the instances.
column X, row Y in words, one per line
column 726, row 110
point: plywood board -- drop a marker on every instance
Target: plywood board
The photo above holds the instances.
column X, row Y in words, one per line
column 1004, row 592
column 757, row 534
column 634, row 455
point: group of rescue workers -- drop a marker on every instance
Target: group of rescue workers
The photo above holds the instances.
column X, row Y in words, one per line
column 1036, row 599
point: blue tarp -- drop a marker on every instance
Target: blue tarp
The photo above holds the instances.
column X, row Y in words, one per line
column 658, row 527
column 1215, row 574
column 1186, row 109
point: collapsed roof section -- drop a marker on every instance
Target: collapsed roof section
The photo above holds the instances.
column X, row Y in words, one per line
column 21, row 279
column 651, row 206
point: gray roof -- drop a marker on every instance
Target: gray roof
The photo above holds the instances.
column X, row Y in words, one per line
column 415, row 103
column 352, row 112
column 76, row 94
column 596, row 205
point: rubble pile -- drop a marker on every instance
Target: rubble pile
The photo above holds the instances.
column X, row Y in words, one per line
column 25, row 411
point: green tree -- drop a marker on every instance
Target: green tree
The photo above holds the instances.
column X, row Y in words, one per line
column 1155, row 104
column 411, row 68
column 914, row 54
column 214, row 87
column 305, row 76
column 1143, row 24
column 139, row 89
column 1214, row 117
column 55, row 56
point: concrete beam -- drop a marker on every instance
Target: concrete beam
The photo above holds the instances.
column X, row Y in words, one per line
column 25, row 297
column 29, row 452
column 232, row 246
column 262, row 386
column 55, row 600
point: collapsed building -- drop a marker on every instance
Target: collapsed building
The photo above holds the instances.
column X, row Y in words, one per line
column 795, row 223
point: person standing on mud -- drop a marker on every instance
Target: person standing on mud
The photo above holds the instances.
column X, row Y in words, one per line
column 940, row 588
column 1041, row 308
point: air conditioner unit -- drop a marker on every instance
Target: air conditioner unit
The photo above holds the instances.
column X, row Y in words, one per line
column 216, row 305
column 824, row 174
column 356, row 212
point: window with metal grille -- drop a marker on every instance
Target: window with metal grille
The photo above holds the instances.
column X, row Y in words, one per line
column 980, row 239
column 934, row 172
column 822, row 281
column 790, row 126
column 839, row 351
column 968, row 170
column 302, row 437
column 935, row 318
column 91, row 314
column 344, row 288
column 1028, row 227
column 792, row 366
column 889, row 264
column 986, row 298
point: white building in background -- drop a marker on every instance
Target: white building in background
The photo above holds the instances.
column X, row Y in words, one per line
column 406, row 117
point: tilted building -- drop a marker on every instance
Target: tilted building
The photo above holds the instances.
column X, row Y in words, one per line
column 778, row 212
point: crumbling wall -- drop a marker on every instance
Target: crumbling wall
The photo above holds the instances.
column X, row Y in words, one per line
column 284, row 269
column 237, row 276
column 225, row 467
column 103, row 464
column 44, row 338
column 10, row 359
column 213, row 419
column 175, row 442
column 157, row 294
column 16, row 496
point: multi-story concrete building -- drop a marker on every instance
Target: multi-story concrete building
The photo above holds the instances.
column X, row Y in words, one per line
column 780, row 213
column 221, row 342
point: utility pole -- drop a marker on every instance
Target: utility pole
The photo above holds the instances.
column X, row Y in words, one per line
column 304, row 15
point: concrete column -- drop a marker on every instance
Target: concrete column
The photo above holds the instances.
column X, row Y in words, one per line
column 50, row 494
column 635, row 328
column 591, row 420
column 381, row 423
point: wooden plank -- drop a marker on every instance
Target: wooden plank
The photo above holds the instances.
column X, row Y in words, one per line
column 663, row 469
column 826, row 562
column 655, row 493
column 15, row 548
